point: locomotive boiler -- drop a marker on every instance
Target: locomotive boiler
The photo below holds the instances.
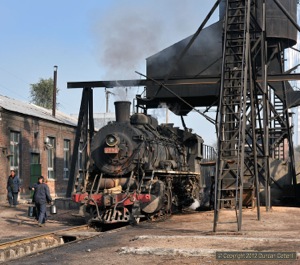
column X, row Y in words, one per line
column 141, row 169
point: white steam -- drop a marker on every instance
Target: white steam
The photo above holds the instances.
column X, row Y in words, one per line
column 195, row 205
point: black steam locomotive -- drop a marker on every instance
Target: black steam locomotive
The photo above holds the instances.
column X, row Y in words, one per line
column 141, row 169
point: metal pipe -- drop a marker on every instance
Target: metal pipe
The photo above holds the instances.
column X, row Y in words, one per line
column 107, row 95
column 54, row 90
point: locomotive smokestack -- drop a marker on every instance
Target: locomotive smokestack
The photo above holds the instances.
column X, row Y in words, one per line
column 122, row 109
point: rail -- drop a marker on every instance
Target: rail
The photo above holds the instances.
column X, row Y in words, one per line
column 19, row 248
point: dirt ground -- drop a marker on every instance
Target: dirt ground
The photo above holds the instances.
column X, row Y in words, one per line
column 15, row 223
column 190, row 237
column 187, row 239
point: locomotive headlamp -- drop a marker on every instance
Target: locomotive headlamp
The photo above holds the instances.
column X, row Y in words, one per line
column 111, row 140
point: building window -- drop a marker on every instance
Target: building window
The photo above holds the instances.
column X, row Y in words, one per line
column 66, row 158
column 51, row 157
column 14, row 151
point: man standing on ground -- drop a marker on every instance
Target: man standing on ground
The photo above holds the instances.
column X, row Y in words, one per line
column 41, row 197
column 13, row 188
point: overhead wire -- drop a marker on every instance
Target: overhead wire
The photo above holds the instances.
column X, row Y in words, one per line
column 12, row 89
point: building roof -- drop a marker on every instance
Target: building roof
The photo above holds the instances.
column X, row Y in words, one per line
column 30, row 109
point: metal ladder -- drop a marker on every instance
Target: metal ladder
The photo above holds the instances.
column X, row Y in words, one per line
column 277, row 128
column 233, row 110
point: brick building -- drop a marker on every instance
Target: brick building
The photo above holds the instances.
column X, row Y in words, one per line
column 33, row 142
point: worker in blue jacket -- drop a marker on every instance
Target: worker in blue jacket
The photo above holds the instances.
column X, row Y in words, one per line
column 13, row 188
column 41, row 197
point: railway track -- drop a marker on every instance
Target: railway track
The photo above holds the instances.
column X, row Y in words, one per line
column 30, row 245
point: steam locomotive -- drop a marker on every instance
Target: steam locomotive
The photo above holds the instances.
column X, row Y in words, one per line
column 141, row 169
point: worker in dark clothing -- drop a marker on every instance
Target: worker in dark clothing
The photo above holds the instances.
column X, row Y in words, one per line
column 41, row 197
column 13, row 188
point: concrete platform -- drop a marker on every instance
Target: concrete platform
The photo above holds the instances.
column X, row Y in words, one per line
column 187, row 239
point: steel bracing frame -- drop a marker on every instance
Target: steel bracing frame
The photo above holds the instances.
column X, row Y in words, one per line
column 252, row 122
column 84, row 134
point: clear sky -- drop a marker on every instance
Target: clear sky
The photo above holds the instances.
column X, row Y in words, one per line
column 90, row 41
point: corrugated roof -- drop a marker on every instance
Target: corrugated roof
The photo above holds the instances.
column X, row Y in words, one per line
column 30, row 109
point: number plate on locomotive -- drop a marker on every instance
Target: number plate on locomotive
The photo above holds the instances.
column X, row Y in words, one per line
column 111, row 150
